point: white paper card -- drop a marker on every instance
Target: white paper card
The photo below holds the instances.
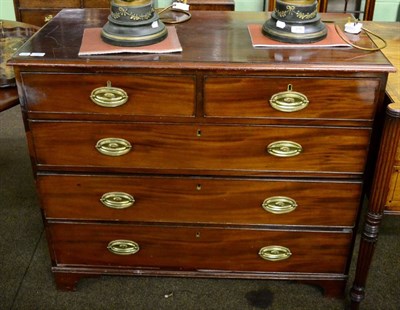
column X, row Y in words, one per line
column 180, row 6
column 280, row 24
column 38, row 54
column 297, row 29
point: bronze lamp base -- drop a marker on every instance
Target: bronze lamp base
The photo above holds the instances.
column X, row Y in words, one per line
column 133, row 23
column 295, row 21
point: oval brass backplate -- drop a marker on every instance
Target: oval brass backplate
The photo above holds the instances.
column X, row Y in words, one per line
column 123, row 247
column 108, row 96
column 289, row 101
column 284, row 148
column 117, row 200
column 274, row 253
column 113, row 146
column 279, row 204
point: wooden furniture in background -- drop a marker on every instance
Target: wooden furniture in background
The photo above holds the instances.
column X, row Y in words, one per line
column 212, row 5
column 8, row 98
column 12, row 36
column 390, row 31
column 210, row 179
column 39, row 12
column 385, row 191
column 363, row 10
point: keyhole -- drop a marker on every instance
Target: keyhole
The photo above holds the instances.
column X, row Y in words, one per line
column 198, row 234
column 199, row 132
column 198, row 187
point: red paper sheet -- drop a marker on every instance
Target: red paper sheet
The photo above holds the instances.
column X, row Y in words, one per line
column 92, row 44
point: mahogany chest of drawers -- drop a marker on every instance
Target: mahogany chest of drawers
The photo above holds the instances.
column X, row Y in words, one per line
column 220, row 161
column 39, row 12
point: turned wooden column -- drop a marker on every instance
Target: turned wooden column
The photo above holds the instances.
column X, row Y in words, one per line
column 379, row 192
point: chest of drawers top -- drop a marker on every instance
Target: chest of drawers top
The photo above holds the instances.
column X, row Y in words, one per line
column 216, row 40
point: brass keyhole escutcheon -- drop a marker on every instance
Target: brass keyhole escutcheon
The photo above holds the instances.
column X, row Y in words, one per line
column 198, row 132
column 198, row 187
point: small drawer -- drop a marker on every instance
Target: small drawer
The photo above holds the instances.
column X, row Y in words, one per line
column 200, row 148
column 199, row 200
column 199, row 248
column 148, row 95
column 292, row 98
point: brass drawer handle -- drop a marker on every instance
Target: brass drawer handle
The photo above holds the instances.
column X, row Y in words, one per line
column 48, row 18
column 279, row 204
column 274, row 253
column 123, row 247
column 113, row 146
column 117, row 200
column 284, row 148
column 289, row 101
column 108, row 96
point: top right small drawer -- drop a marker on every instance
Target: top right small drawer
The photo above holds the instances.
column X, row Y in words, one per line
column 296, row 98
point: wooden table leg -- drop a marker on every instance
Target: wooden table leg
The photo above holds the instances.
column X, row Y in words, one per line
column 379, row 192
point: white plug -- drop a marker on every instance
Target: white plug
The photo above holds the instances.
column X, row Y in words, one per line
column 180, row 6
column 353, row 27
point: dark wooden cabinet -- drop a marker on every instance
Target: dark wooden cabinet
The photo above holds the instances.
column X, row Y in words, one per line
column 39, row 12
column 199, row 173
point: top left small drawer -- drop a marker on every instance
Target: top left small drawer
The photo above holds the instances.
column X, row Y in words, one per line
column 139, row 95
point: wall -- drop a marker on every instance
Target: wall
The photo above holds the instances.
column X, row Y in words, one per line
column 7, row 9
column 387, row 10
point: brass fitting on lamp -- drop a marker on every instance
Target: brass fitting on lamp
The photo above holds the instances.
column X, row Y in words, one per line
column 133, row 23
column 295, row 21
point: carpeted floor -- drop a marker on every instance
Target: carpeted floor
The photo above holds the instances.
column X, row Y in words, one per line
column 26, row 281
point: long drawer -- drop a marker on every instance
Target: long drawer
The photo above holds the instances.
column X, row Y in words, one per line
column 199, row 200
column 194, row 147
column 110, row 94
column 295, row 98
column 197, row 248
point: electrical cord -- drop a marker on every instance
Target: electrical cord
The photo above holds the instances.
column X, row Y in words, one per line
column 182, row 17
column 369, row 34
